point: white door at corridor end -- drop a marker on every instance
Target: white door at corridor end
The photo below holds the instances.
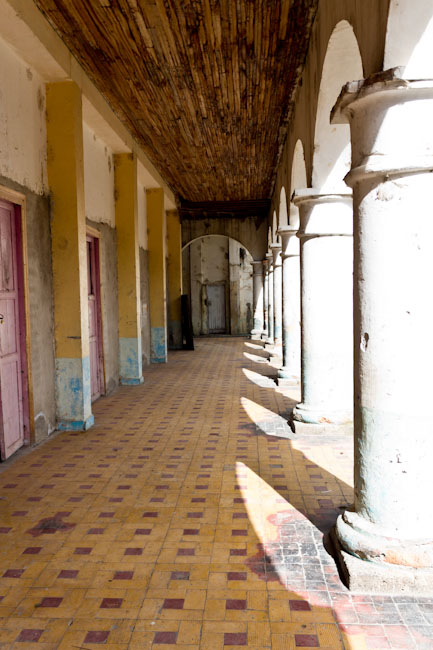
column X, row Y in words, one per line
column 216, row 305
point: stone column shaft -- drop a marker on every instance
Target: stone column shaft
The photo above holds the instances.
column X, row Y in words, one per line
column 278, row 295
column 326, row 307
column 289, row 374
column 270, row 339
column 257, row 330
column 392, row 181
column 265, row 334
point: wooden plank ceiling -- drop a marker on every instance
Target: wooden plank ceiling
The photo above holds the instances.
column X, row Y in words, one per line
column 205, row 86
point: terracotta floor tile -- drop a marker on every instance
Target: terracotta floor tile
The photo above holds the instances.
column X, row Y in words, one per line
column 183, row 519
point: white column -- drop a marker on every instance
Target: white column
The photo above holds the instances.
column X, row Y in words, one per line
column 326, row 307
column 392, row 181
column 257, row 330
column 270, row 339
column 265, row 333
column 290, row 372
column 278, row 298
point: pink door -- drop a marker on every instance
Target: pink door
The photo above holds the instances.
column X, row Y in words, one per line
column 11, row 375
column 95, row 330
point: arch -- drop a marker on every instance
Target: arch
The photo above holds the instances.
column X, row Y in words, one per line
column 409, row 38
column 298, row 180
column 282, row 212
column 217, row 274
column 342, row 63
column 249, row 232
column 185, row 246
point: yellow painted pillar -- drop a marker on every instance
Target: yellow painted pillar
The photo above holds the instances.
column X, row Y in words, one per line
column 156, row 229
column 128, row 269
column 69, row 255
column 174, row 241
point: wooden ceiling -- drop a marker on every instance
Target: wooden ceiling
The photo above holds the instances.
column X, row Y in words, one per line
column 205, row 86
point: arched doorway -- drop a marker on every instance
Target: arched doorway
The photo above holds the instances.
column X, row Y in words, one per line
column 217, row 276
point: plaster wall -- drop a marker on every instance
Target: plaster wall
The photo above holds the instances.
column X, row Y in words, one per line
column 23, row 149
column 98, row 179
column 144, row 299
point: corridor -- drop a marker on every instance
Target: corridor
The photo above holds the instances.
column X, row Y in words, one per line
column 181, row 519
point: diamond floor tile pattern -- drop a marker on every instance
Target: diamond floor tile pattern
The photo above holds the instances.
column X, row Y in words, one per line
column 187, row 518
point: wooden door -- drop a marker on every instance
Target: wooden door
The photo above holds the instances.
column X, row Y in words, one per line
column 216, row 308
column 95, row 329
column 11, row 328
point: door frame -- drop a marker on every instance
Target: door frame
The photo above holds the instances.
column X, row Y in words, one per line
column 96, row 235
column 21, row 242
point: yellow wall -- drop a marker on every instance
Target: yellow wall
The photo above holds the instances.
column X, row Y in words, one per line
column 174, row 241
column 157, row 274
column 68, row 228
column 128, row 273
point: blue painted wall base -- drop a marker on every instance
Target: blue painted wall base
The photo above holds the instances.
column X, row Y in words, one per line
column 76, row 425
column 158, row 345
column 131, row 370
column 73, row 394
column 134, row 381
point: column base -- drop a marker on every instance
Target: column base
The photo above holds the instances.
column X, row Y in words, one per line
column 286, row 378
column 370, row 577
column 256, row 335
column 314, row 415
column 375, row 544
column 307, row 428
column 277, row 350
column 158, row 360
column 76, row 425
column 131, row 381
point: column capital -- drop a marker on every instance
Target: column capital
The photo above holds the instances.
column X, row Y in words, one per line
column 270, row 260
column 324, row 214
column 289, row 241
column 385, row 141
column 276, row 254
column 257, row 267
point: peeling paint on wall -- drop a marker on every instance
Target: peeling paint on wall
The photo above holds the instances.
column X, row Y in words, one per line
column 23, row 139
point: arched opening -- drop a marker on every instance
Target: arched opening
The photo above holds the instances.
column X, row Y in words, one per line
column 282, row 213
column 217, row 277
column 331, row 160
column 298, row 180
column 409, row 38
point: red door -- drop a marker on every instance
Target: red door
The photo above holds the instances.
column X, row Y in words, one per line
column 95, row 329
column 11, row 323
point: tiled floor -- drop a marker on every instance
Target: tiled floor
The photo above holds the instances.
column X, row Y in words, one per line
column 179, row 520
